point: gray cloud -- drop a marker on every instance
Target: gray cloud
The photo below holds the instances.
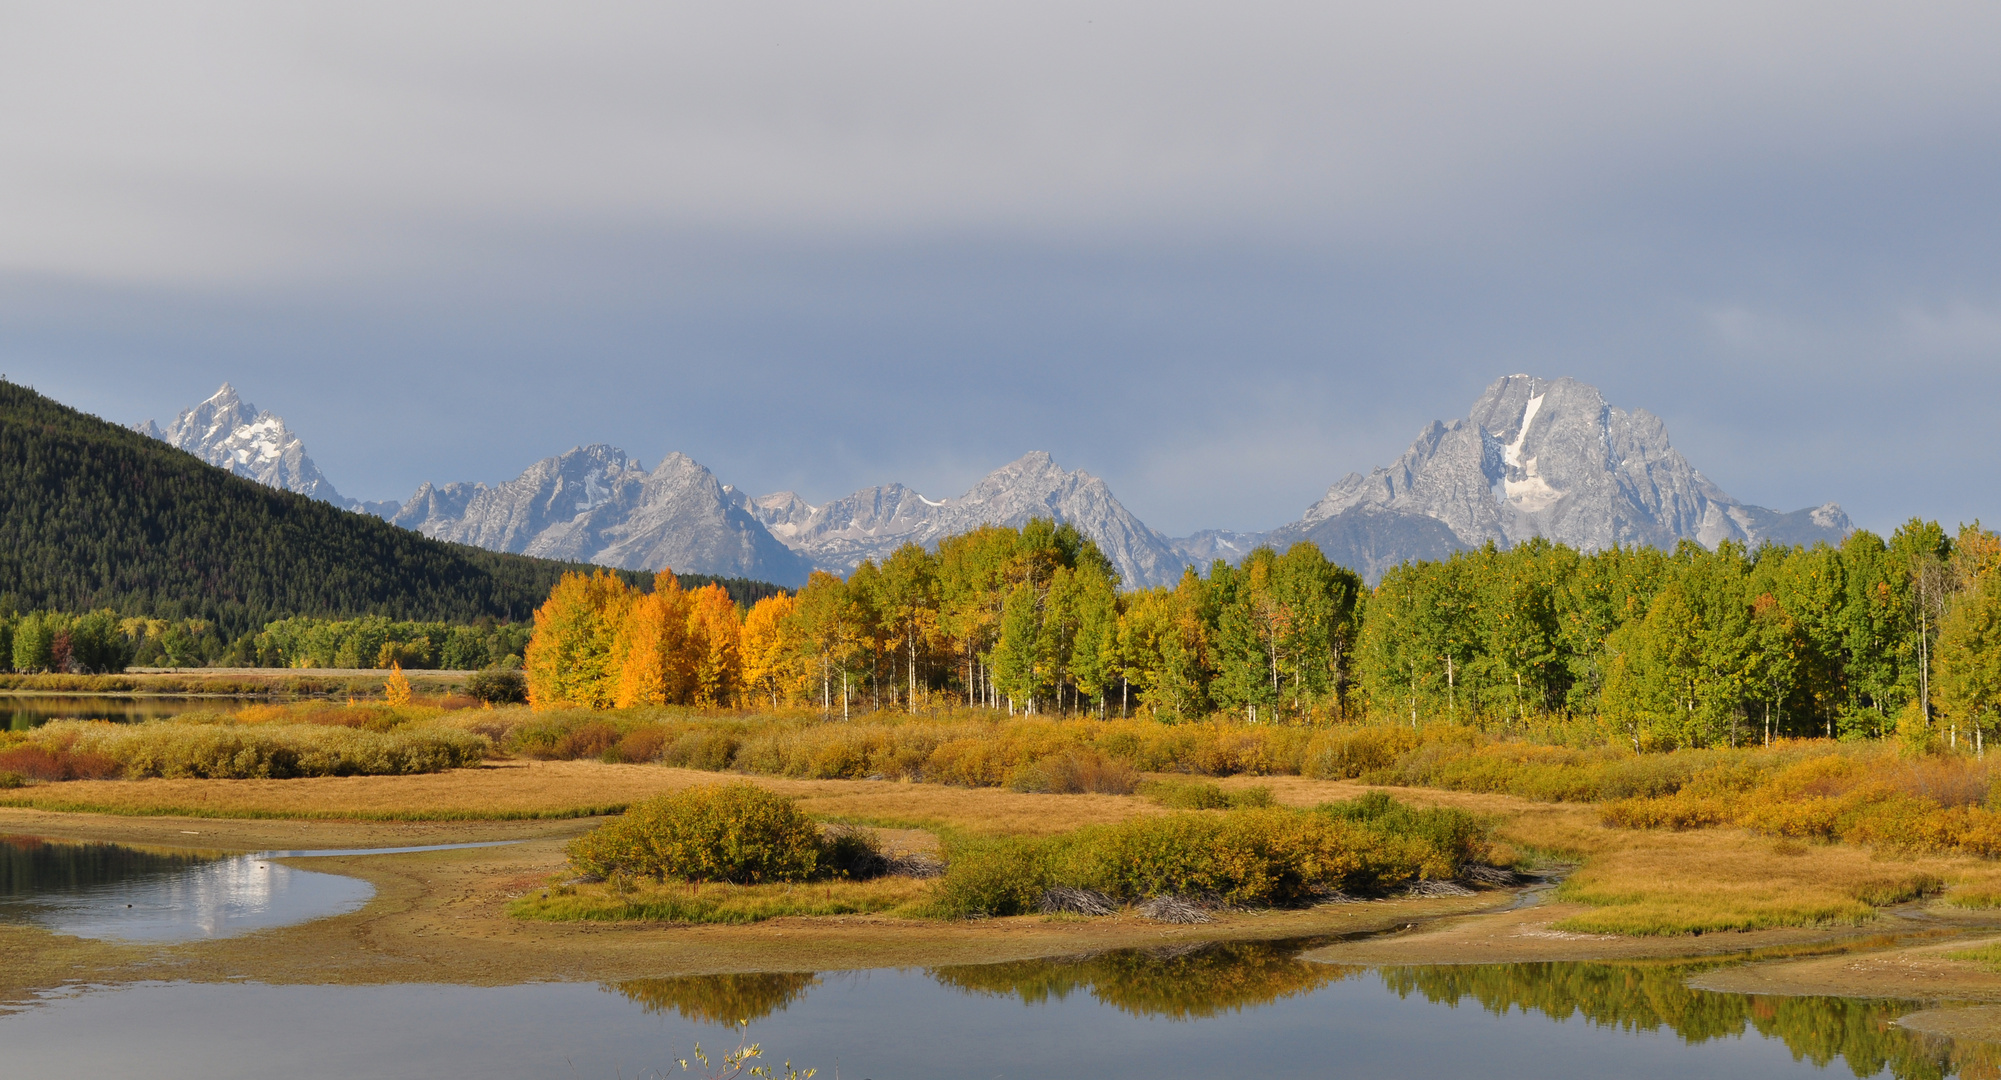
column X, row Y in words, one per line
column 1219, row 254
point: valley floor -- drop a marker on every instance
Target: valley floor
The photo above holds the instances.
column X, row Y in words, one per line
column 441, row 916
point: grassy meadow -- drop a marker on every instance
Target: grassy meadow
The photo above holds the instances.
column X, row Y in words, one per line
column 1800, row 833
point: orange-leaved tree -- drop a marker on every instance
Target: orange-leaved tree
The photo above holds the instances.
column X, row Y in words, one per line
column 714, row 635
column 572, row 657
column 656, row 661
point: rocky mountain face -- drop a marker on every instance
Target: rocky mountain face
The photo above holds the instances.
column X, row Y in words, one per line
column 875, row 521
column 596, row 505
column 229, row 432
column 1534, row 457
column 1537, row 457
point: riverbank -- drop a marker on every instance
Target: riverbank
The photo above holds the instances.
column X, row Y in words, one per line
column 441, row 916
column 232, row 682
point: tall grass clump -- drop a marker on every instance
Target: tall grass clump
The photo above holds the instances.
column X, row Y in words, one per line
column 225, row 751
column 736, row 832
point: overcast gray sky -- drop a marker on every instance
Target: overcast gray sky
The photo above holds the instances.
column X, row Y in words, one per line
column 1218, row 254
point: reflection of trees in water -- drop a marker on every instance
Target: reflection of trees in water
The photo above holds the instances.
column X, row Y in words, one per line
column 29, row 866
column 721, row 999
column 1653, row 996
column 1180, row 983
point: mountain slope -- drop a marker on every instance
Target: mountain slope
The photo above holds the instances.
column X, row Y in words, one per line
column 96, row 515
column 1536, row 457
column 595, row 505
column 873, row 522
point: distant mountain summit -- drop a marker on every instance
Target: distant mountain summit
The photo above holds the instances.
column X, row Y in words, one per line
column 595, row 505
column 231, row 433
column 875, row 521
column 1534, row 457
column 1539, row 457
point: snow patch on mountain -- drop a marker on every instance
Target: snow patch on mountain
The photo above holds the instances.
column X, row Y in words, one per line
column 229, row 432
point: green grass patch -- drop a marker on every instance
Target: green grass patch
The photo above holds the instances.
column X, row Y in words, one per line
column 1987, row 956
column 715, row 902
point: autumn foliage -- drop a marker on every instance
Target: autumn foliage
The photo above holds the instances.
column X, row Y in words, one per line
column 599, row 643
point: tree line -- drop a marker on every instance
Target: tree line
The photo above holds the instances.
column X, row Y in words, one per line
column 102, row 641
column 1664, row 648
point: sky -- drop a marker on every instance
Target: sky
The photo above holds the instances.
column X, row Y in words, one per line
column 1217, row 254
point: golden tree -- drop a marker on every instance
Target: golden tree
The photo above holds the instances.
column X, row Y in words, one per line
column 656, row 664
column 714, row 636
column 396, row 690
column 769, row 651
column 572, row 657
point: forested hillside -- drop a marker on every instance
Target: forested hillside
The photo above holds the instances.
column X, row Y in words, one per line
column 95, row 516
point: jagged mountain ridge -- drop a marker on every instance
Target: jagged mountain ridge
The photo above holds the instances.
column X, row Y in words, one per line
column 594, row 504
column 873, row 522
column 229, row 432
column 1533, row 457
column 1538, row 457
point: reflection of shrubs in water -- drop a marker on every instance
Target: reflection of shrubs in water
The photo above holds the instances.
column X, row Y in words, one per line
column 1653, row 996
column 1180, row 983
column 29, row 866
column 721, row 999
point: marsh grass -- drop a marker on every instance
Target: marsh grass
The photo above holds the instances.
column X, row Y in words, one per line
column 1987, row 956
column 714, row 902
column 199, row 748
column 1177, row 794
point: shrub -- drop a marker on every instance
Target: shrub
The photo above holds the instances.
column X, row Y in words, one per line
column 590, row 740
column 640, row 744
column 60, row 763
column 1203, row 795
column 1452, row 837
column 736, row 832
column 1077, row 772
column 498, row 686
column 1002, row 876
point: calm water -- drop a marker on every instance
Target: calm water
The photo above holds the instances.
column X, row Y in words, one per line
column 113, row 891
column 135, row 894
column 1215, row 1011
column 1229, row 1011
column 24, row 711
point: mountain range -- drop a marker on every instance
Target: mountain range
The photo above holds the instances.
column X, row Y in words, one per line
column 1533, row 457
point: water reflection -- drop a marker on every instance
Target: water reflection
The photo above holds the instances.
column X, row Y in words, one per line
column 721, row 999
column 25, row 712
column 1656, row 997
column 1200, row 982
column 114, row 891
column 1182, row 983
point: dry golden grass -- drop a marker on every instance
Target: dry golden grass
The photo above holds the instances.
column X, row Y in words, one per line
column 559, row 789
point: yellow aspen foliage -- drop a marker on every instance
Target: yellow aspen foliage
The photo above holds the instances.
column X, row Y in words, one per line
column 769, row 650
column 656, row 665
column 572, row 659
column 396, row 691
column 714, row 637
